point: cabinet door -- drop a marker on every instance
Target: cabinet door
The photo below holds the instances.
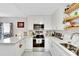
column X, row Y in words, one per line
column 29, row 43
column 23, row 42
column 20, row 47
column 47, row 43
column 61, row 51
column 51, row 49
column 58, row 50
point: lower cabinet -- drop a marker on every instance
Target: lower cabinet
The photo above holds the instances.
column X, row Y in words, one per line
column 46, row 43
column 20, row 47
column 12, row 49
column 56, row 50
column 29, row 43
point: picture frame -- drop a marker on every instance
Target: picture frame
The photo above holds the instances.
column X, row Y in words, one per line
column 20, row 24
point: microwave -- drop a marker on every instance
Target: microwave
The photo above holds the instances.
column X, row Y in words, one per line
column 38, row 26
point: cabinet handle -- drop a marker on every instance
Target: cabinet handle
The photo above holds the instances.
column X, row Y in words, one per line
column 20, row 45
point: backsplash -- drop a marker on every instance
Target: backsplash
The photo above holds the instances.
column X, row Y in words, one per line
column 58, row 35
column 67, row 33
column 61, row 34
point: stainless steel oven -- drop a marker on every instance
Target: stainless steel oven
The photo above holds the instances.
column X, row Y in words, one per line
column 38, row 41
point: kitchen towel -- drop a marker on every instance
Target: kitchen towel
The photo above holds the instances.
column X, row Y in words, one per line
column 38, row 41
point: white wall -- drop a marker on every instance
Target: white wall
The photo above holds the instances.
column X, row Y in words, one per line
column 57, row 18
column 46, row 20
column 14, row 20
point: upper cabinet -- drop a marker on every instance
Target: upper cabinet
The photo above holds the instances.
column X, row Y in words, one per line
column 57, row 19
column 42, row 20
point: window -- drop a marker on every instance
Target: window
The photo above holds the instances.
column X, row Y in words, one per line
column 7, row 30
column 6, row 27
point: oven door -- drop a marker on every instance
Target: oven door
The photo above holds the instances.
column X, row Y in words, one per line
column 38, row 43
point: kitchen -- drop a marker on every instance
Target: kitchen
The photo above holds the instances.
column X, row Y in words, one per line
column 39, row 29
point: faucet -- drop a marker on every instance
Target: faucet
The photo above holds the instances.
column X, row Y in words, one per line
column 73, row 35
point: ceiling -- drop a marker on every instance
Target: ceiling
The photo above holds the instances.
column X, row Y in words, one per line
column 26, row 9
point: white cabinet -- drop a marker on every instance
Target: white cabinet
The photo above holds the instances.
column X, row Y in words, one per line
column 12, row 49
column 56, row 50
column 29, row 43
column 20, row 47
column 57, row 19
column 59, row 51
column 47, row 43
column 46, row 20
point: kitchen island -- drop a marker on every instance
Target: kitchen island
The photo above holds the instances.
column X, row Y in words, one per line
column 13, row 46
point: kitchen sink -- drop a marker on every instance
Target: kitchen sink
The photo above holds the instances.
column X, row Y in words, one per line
column 71, row 47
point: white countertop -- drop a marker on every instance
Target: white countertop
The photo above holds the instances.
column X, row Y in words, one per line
column 11, row 40
column 65, row 41
column 58, row 41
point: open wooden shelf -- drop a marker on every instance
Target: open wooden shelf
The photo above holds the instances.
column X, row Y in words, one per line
column 70, row 27
column 68, row 19
column 71, row 8
column 68, row 10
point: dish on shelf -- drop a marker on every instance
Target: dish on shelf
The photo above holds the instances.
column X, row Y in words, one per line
column 71, row 8
column 71, row 27
column 71, row 18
